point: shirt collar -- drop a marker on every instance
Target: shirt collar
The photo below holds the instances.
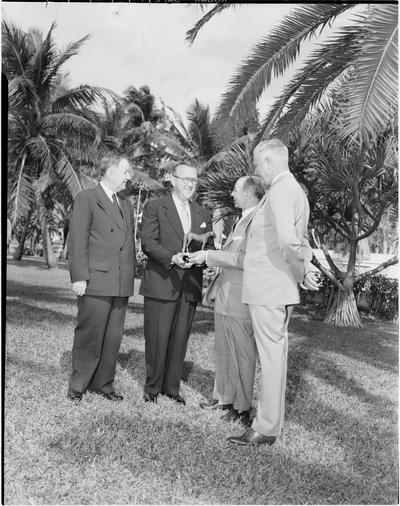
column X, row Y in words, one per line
column 247, row 211
column 279, row 176
column 178, row 201
column 107, row 190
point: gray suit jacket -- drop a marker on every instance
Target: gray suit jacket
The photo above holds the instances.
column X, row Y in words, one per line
column 278, row 253
column 101, row 247
column 228, row 300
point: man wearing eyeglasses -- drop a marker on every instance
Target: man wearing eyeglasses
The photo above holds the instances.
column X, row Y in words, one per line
column 171, row 286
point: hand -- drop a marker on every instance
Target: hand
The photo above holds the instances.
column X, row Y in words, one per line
column 178, row 260
column 198, row 257
column 309, row 282
column 79, row 287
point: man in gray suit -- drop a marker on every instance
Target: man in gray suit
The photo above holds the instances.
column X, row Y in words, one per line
column 102, row 262
column 235, row 350
column 276, row 262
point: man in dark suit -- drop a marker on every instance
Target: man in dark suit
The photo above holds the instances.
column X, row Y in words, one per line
column 171, row 286
column 102, row 261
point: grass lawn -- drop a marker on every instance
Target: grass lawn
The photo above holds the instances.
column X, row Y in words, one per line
column 339, row 444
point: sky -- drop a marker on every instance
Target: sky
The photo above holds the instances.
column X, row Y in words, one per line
column 137, row 44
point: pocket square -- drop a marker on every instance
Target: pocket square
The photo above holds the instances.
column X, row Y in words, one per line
column 203, row 225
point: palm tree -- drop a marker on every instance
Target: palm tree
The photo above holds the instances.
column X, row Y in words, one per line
column 350, row 186
column 50, row 125
column 367, row 50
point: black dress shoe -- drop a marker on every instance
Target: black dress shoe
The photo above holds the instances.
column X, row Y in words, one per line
column 252, row 437
column 177, row 398
column 112, row 396
column 74, row 395
column 150, row 397
column 214, row 405
column 233, row 415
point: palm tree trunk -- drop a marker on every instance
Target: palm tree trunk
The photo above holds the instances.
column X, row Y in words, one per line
column 21, row 243
column 48, row 252
column 137, row 213
column 344, row 312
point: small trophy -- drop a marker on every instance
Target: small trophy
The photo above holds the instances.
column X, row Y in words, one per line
column 189, row 237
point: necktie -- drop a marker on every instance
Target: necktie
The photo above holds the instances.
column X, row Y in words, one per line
column 185, row 217
column 116, row 206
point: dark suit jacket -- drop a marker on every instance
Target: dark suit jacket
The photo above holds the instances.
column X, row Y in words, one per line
column 100, row 249
column 162, row 237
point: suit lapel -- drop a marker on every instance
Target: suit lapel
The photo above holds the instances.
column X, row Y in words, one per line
column 173, row 216
column 195, row 216
column 105, row 204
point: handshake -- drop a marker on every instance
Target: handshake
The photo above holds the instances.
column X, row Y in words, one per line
column 186, row 260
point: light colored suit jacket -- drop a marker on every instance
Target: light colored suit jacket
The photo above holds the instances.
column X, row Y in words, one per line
column 228, row 300
column 278, row 252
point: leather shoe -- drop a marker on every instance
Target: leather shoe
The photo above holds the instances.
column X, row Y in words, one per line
column 111, row 396
column 74, row 395
column 234, row 416
column 252, row 437
column 214, row 405
column 150, row 397
column 177, row 398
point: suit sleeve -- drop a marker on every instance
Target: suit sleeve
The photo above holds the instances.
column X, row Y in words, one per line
column 283, row 208
column 78, row 238
column 226, row 259
column 151, row 244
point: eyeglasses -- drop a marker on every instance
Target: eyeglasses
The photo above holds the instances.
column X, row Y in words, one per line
column 187, row 180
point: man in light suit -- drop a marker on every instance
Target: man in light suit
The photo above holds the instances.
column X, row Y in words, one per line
column 235, row 349
column 102, row 261
column 171, row 286
column 277, row 260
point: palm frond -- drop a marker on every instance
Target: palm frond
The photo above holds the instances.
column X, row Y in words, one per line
column 79, row 97
column 43, row 63
column 39, row 150
column 72, row 124
column 16, row 51
column 68, row 174
column 72, row 49
column 21, row 91
column 192, row 33
column 142, row 180
column 325, row 66
column 217, row 182
column 270, row 57
column 22, row 196
column 373, row 92
column 172, row 145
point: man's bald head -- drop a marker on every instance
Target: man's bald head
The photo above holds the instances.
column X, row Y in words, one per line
column 271, row 157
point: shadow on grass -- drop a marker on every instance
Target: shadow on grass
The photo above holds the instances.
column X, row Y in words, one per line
column 42, row 293
column 37, row 262
column 373, row 344
column 18, row 311
column 158, row 450
column 30, row 366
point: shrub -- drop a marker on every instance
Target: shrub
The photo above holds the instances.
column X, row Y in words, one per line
column 380, row 292
column 141, row 260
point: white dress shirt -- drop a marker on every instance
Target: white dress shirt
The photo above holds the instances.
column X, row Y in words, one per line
column 109, row 193
column 184, row 213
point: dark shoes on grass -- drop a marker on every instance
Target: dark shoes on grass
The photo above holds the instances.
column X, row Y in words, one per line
column 150, row 397
column 76, row 396
column 213, row 404
column 242, row 417
column 177, row 398
column 252, row 438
